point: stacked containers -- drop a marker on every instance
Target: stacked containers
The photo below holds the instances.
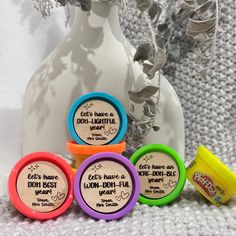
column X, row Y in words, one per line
column 97, row 122
column 106, row 184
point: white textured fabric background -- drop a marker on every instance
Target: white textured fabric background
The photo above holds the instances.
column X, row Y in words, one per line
column 210, row 118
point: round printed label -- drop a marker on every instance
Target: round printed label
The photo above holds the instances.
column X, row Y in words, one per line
column 96, row 122
column 106, row 186
column 42, row 186
column 159, row 174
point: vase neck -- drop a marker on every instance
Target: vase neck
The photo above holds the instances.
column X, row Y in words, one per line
column 101, row 13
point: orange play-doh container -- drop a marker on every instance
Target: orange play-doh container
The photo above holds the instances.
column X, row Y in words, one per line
column 79, row 153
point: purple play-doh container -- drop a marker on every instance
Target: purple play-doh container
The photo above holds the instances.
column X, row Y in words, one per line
column 106, row 186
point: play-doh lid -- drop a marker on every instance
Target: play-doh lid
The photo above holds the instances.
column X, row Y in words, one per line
column 106, row 186
column 162, row 173
column 40, row 186
column 73, row 147
column 97, row 118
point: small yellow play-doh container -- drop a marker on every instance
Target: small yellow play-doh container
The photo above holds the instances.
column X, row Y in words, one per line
column 213, row 179
column 79, row 153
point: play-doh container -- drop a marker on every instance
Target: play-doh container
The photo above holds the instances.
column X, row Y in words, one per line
column 97, row 118
column 162, row 174
column 106, row 186
column 79, row 153
column 211, row 177
column 40, row 186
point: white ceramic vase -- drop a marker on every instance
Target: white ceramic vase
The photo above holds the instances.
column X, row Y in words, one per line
column 95, row 56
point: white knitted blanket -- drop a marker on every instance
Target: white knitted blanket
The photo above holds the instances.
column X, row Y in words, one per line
column 210, row 119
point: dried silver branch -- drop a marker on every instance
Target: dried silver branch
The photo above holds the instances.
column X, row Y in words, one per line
column 45, row 6
column 202, row 27
column 162, row 18
column 146, row 95
column 166, row 15
column 144, row 5
column 143, row 52
column 143, row 111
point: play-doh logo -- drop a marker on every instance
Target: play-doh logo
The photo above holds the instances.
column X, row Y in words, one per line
column 205, row 182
